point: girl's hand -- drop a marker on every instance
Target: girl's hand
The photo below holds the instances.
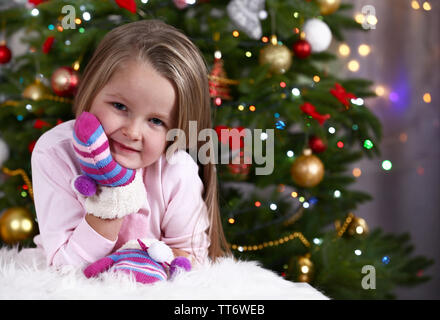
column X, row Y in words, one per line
column 117, row 202
column 120, row 191
column 180, row 253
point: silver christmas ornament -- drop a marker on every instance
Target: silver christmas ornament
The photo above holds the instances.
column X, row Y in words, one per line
column 244, row 14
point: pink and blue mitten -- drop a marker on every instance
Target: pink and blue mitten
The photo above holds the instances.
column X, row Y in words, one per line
column 140, row 263
column 97, row 164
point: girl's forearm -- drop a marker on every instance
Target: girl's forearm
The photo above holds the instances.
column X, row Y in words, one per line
column 108, row 228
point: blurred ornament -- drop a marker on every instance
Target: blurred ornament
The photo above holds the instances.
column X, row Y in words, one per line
column 16, row 224
column 280, row 124
column 278, row 56
column 310, row 110
column 240, row 169
column 244, row 13
column 357, row 227
column 47, row 45
column 180, row 4
column 130, row 5
column 307, row 170
column 328, row 6
column 35, row 91
column 5, row 53
column 65, row 81
column 317, row 145
column 301, row 49
column 318, row 34
column 386, row 260
column 218, row 84
column 4, row 151
column 305, row 268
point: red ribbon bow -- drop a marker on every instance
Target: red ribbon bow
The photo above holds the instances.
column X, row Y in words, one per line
column 310, row 110
column 130, row 5
column 343, row 96
column 230, row 136
column 47, row 45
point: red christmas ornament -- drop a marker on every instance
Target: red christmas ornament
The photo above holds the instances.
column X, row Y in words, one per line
column 130, row 5
column 241, row 169
column 180, row 4
column 47, row 45
column 310, row 110
column 5, row 54
column 343, row 96
column 65, row 81
column 317, row 145
column 302, row 49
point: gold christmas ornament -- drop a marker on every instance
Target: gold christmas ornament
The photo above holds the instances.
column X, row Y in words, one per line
column 328, row 6
column 357, row 227
column 35, row 91
column 16, row 224
column 307, row 170
column 279, row 57
column 305, row 268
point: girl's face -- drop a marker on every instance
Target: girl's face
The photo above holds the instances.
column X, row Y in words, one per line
column 136, row 109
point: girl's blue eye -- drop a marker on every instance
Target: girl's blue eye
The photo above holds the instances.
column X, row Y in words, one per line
column 119, row 106
column 157, row 122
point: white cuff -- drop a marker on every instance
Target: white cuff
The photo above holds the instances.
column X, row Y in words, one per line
column 117, row 202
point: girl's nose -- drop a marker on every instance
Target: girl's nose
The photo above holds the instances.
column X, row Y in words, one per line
column 132, row 130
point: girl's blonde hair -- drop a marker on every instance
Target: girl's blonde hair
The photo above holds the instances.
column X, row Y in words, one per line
column 176, row 58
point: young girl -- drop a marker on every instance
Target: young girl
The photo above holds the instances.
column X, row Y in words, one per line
column 144, row 79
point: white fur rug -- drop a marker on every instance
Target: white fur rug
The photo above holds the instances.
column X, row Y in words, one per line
column 24, row 275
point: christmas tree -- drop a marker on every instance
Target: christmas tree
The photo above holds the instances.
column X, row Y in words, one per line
column 291, row 207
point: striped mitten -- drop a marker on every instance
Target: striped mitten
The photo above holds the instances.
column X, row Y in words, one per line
column 93, row 151
column 121, row 191
column 146, row 264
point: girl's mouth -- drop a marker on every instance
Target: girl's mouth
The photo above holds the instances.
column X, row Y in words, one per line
column 121, row 147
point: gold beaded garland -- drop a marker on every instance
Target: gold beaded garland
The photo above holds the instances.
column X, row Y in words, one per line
column 272, row 243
